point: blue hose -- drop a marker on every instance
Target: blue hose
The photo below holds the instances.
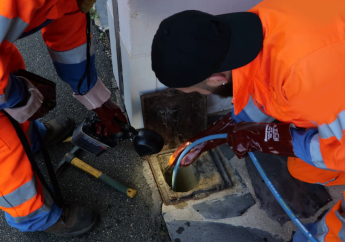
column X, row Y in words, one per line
column 281, row 201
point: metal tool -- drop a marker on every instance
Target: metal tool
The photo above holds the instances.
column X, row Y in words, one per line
column 145, row 141
column 70, row 158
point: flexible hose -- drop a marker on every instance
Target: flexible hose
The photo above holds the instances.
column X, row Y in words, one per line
column 281, row 201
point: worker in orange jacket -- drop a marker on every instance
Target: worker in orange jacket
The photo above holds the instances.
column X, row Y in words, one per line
column 27, row 204
column 282, row 60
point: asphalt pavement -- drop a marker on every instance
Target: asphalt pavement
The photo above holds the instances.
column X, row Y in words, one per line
column 121, row 218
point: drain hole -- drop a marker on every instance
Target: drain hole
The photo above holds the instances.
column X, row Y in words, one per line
column 187, row 178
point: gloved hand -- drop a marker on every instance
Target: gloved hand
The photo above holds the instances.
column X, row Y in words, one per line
column 223, row 125
column 85, row 5
column 264, row 137
column 106, row 114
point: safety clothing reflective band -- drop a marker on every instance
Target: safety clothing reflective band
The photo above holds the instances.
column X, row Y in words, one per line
column 322, row 229
column 20, row 195
column 255, row 114
column 335, row 223
column 73, row 56
column 333, row 129
column 46, row 207
column 3, row 97
column 315, row 152
column 11, row 29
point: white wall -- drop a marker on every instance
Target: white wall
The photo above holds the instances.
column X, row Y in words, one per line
column 139, row 21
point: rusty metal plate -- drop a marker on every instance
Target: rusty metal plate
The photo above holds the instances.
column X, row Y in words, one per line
column 175, row 115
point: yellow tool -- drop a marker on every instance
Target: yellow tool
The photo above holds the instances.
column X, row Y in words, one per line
column 70, row 158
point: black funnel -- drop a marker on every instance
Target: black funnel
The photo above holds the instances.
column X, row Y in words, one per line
column 148, row 142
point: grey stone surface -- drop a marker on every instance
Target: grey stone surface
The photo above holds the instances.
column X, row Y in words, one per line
column 101, row 8
column 121, row 218
column 228, row 207
column 227, row 151
column 183, row 231
column 304, row 199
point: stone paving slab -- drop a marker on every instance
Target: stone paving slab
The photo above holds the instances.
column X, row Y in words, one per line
column 303, row 198
column 248, row 212
column 204, row 231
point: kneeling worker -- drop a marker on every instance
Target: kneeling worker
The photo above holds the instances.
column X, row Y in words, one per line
column 281, row 60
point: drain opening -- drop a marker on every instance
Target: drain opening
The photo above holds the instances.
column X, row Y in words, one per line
column 193, row 182
column 187, row 178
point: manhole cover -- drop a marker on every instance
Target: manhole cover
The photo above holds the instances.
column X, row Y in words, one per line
column 175, row 115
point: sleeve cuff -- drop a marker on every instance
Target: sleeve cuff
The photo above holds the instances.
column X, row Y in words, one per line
column 22, row 114
column 94, row 98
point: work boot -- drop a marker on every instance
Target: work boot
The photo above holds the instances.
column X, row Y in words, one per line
column 58, row 130
column 74, row 220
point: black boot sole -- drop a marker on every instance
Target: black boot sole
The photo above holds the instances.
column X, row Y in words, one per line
column 64, row 136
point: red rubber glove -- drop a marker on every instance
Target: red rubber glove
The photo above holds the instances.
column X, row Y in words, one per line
column 223, row 125
column 106, row 114
column 264, row 137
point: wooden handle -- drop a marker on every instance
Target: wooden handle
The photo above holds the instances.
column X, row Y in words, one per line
column 68, row 139
column 85, row 167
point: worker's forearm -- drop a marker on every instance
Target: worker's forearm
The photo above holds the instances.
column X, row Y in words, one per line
column 264, row 137
column 304, row 146
column 29, row 104
column 251, row 113
column 95, row 97
column 13, row 93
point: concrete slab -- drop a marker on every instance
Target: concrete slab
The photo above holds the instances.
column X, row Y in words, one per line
column 249, row 212
column 228, row 207
column 303, row 198
column 208, row 231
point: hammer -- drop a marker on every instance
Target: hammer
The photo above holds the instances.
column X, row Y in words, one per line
column 70, row 158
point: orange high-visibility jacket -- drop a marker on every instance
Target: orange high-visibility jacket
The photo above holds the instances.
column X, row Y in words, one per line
column 299, row 75
column 66, row 42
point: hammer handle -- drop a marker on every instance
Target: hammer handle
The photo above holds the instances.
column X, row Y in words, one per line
column 85, row 167
column 104, row 178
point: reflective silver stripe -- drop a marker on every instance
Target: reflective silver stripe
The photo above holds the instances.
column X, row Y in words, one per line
column 255, row 114
column 322, row 229
column 315, row 152
column 323, row 184
column 73, row 56
column 11, row 29
column 4, row 97
column 333, row 129
column 19, row 196
column 46, row 207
